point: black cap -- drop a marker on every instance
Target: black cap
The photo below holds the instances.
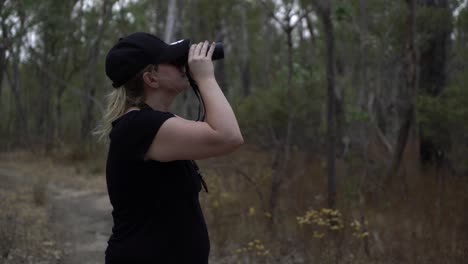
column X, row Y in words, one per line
column 134, row 52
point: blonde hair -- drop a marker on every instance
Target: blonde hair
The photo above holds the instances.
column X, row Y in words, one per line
column 120, row 100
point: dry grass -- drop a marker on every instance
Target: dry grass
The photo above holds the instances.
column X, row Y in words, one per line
column 25, row 235
column 425, row 221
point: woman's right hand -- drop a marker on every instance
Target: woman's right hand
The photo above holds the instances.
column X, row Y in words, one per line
column 199, row 61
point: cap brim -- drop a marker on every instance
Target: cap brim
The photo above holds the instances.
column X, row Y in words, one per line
column 176, row 53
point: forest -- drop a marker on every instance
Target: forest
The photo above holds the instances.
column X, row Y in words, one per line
column 351, row 110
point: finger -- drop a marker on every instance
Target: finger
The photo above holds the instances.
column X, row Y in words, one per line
column 197, row 49
column 191, row 51
column 211, row 50
column 204, row 48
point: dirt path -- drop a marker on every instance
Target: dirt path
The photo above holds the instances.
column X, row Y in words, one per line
column 79, row 217
column 83, row 223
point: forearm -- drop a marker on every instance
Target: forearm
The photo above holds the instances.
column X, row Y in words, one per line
column 219, row 114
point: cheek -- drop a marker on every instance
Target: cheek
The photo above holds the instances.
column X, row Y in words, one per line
column 163, row 83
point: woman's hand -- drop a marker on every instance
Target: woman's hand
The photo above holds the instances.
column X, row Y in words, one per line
column 199, row 61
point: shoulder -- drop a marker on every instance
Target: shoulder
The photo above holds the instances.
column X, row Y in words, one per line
column 139, row 115
column 139, row 120
column 149, row 115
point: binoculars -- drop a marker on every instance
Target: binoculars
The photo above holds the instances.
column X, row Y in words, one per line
column 218, row 53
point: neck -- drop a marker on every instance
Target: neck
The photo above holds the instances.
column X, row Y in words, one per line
column 160, row 100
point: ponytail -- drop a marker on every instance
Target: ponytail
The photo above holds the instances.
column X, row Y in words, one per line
column 120, row 100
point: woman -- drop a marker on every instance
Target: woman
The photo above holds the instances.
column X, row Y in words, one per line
column 153, row 187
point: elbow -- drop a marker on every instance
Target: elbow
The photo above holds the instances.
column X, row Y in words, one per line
column 228, row 142
column 236, row 141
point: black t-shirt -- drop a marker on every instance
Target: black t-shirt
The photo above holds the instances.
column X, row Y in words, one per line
column 156, row 210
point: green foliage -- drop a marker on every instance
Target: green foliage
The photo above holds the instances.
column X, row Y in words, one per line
column 264, row 114
column 343, row 10
column 356, row 114
column 443, row 119
column 432, row 22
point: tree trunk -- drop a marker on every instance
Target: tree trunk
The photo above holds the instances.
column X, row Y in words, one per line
column 407, row 111
column 44, row 111
column 331, row 132
column 433, row 58
column 220, row 69
column 170, row 21
column 289, row 99
column 45, row 114
column 339, row 121
column 266, row 68
column 91, row 72
column 363, row 92
column 3, row 49
column 281, row 159
column 58, row 109
column 245, row 63
column 433, row 67
column 21, row 133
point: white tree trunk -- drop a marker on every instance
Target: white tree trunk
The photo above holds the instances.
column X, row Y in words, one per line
column 170, row 21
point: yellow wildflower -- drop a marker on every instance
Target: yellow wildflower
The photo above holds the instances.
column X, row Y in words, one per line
column 318, row 235
column 251, row 211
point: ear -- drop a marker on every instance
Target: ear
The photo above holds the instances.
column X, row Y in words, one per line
column 150, row 79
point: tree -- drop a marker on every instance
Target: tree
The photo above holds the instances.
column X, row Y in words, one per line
column 324, row 11
column 12, row 41
column 407, row 111
column 170, row 21
column 90, row 82
column 283, row 151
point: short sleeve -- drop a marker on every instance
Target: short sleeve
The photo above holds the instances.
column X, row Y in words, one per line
column 135, row 133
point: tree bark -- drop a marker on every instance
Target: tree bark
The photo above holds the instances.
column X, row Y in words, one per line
column 170, row 21
column 70, row 62
column 220, row 65
column 49, row 39
column 281, row 155
column 323, row 9
column 245, row 63
column 331, row 129
column 2, row 66
column 407, row 110
column 433, row 58
column 3, row 45
column 433, row 68
column 362, row 59
column 91, row 72
column 45, row 117
column 15, row 86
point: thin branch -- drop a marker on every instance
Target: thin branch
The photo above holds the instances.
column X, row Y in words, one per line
column 74, row 90
column 272, row 15
column 286, row 26
column 251, row 181
column 300, row 19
